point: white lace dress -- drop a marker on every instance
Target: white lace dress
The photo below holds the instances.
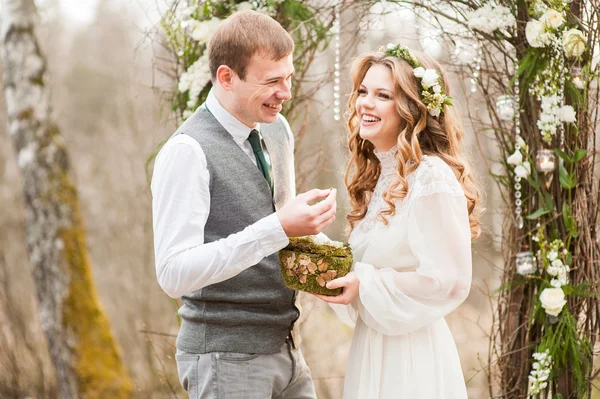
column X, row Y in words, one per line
column 412, row 273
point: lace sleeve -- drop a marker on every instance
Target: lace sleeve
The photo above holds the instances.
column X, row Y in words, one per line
column 434, row 176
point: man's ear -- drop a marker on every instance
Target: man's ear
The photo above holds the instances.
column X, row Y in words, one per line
column 225, row 77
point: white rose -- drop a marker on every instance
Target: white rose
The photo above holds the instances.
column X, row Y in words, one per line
column 552, row 19
column 515, row 159
column 437, row 89
column 419, row 72
column 533, row 32
column 557, row 263
column 244, row 6
column 553, row 300
column 390, row 46
column 523, row 171
column 430, row 78
column 552, row 255
column 435, row 112
column 567, row 114
column 574, row 42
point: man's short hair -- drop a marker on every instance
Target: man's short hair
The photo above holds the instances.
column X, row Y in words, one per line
column 244, row 34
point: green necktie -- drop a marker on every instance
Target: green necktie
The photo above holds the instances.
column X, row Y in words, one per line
column 263, row 165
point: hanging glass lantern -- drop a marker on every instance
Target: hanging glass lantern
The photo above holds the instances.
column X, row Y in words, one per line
column 545, row 161
column 577, row 77
column 525, row 263
column 506, row 107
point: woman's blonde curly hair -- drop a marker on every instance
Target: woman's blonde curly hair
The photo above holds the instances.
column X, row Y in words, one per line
column 420, row 134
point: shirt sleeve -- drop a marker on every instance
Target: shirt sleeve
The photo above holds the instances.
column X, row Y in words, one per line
column 396, row 303
column 180, row 208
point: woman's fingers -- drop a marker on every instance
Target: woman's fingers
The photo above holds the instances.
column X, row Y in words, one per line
column 341, row 299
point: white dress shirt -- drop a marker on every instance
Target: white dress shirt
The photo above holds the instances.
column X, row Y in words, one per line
column 180, row 208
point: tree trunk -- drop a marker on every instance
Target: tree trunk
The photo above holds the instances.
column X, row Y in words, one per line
column 82, row 348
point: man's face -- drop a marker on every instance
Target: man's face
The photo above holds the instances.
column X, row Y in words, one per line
column 260, row 96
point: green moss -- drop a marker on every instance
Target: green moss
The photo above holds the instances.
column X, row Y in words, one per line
column 306, row 266
column 99, row 369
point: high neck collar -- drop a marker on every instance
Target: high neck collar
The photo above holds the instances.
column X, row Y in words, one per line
column 387, row 159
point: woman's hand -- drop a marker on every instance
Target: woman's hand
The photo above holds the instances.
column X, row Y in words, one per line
column 350, row 285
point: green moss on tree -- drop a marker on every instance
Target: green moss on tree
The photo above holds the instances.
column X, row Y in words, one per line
column 100, row 371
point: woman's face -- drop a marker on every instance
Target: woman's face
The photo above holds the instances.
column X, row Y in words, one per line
column 376, row 108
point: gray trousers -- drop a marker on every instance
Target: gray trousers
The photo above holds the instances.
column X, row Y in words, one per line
column 224, row 375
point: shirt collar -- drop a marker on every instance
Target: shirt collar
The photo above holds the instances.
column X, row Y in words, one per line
column 238, row 130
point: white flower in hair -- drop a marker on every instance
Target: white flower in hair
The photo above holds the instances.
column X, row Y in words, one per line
column 432, row 94
column 430, row 78
column 435, row 112
column 419, row 72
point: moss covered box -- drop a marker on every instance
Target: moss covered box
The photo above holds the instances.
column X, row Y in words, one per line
column 308, row 263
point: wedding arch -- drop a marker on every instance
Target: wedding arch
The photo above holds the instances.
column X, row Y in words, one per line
column 536, row 65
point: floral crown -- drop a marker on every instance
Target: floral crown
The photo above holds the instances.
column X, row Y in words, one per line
column 431, row 82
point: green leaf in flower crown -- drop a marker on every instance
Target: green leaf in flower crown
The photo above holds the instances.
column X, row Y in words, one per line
column 579, row 155
column 537, row 214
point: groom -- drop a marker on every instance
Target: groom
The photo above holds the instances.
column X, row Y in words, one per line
column 223, row 205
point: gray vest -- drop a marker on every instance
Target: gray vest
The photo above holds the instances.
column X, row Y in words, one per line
column 254, row 311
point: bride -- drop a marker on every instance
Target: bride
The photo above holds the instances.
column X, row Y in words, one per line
column 413, row 216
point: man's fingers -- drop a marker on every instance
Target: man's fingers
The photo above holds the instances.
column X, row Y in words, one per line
column 326, row 204
column 327, row 215
column 314, row 194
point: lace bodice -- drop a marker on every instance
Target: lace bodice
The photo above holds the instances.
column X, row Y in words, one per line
column 432, row 176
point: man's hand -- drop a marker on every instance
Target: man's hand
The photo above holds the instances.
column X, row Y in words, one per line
column 349, row 283
column 298, row 218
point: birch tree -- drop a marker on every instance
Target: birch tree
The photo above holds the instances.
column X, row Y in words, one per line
column 82, row 348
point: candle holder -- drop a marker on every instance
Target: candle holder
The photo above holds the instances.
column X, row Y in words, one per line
column 506, row 107
column 577, row 77
column 545, row 161
column 526, row 263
